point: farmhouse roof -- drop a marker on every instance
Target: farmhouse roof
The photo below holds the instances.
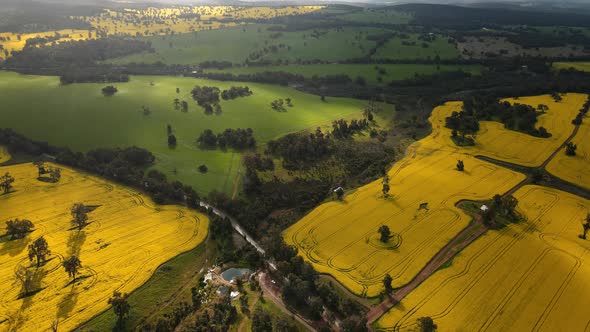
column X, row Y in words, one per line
column 484, row 208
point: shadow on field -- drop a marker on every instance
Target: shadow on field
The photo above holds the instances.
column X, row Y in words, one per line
column 15, row 247
column 67, row 304
column 75, row 242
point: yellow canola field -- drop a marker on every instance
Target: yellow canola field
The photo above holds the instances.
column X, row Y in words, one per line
column 157, row 21
column 528, row 276
column 575, row 169
column 494, row 141
column 127, row 239
column 340, row 238
column 16, row 41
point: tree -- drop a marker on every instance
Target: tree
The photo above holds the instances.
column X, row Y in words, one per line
column 385, row 188
column 385, row 233
column 25, row 277
column 177, row 90
column 184, row 105
column 171, row 140
column 261, row 321
column 40, row 167
column 120, row 306
column 72, row 265
column 203, row 168
column 542, row 108
column 109, row 90
column 79, row 215
column 176, row 103
column 55, row 174
column 570, row 149
column 18, row 228
column 426, row 324
column 509, row 203
column 39, row 250
column 6, row 182
column 460, row 165
column 387, row 280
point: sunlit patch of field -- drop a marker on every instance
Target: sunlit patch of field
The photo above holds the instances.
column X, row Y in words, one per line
column 581, row 66
column 127, row 239
column 527, row 276
column 575, row 169
column 10, row 41
column 494, row 141
column 159, row 21
column 340, row 238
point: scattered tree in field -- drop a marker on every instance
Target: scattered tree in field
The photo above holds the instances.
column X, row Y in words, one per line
column 542, row 108
column 385, row 233
column 177, row 90
column 288, row 102
column 72, row 265
column 426, row 324
column 120, row 306
column 176, row 103
column 25, row 277
column 79, row 214
column 169, row 129
column 460, row 165
column 385, row 188
column 40, row 167
column 570, row 149
column 261, row 321
column 586, row 227
column 171, row 140
column 6, row 182
column 387, row 280
column 18, row 228
column 109, row 90
column 39, row 250
column 55, row 174
column 184, row 106
column 203, row 168
column 278, row 105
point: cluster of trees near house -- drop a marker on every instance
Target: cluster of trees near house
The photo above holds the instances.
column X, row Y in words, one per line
column 238, row 139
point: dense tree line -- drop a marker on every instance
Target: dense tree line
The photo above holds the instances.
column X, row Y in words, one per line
column 238, row 139
column 122, row 165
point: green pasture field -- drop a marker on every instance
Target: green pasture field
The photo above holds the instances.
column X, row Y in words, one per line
column 80, row 117
column 235, row 44
column 394, row 49
column 370, row 73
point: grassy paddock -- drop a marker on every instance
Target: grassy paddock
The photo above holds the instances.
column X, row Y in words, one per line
column 370, row 73
column 80, row 117
column 235, row 44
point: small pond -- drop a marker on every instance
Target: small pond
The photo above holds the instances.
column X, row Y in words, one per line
column 231, row 274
